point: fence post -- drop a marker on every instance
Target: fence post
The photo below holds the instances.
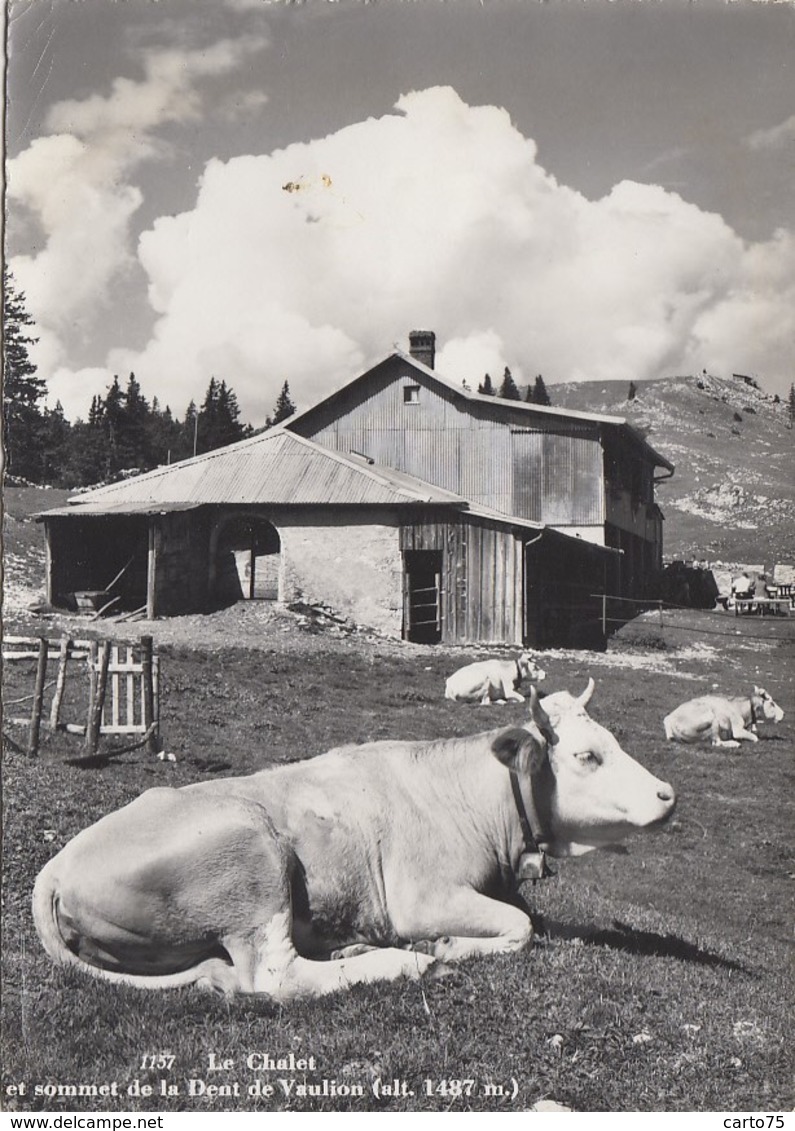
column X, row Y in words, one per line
column 147, row 674
column 98, row 697
column 661, row 613
column 604, row 614
column 57, row 699
column 38, row 698
column 92, row 682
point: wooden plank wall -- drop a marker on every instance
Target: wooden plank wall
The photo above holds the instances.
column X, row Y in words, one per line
column 495, row 578
column 545, row 469
column 482, row 570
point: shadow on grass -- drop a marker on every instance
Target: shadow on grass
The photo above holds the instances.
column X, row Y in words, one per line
column 623, row 937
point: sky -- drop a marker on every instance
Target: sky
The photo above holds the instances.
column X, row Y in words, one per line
column 267, row 191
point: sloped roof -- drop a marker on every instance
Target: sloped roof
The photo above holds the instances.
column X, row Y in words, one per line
column 495, row 404
column 274, row 467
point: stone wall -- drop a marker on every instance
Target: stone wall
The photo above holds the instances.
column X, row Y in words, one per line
column 348, row 561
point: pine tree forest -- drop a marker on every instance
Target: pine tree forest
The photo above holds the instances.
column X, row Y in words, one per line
column 123, row 433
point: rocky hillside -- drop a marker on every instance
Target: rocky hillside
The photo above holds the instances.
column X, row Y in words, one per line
column 732, row 497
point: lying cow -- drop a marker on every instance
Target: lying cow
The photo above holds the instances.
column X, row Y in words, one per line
column 724, row 721
column 493, row 681
column 395, row 855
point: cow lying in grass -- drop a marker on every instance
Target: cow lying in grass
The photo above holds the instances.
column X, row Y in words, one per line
column 395, row 855
column 493, row 681
column 723, row 721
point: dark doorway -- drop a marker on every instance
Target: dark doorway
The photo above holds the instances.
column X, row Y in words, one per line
column 422, row 606
column 563, row 588
column 248, row 559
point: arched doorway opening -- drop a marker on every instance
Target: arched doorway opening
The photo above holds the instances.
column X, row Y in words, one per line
column 247, row 560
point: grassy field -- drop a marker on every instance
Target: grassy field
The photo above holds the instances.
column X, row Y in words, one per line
column 662, row 978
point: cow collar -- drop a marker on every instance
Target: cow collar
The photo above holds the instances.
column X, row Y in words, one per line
column 533, row 863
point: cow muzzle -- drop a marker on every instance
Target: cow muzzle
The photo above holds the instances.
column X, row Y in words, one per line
column 667, row 796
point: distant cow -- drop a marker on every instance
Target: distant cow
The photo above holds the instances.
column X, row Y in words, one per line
column 493, row 681
column 722, row 720
column 386, row 850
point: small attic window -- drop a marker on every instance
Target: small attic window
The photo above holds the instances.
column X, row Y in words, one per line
column 411, row 394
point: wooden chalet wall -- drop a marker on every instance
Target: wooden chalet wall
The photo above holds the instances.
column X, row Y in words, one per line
column 481, row 577
column 546, row 469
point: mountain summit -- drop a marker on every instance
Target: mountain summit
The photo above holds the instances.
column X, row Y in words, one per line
column 733, row 495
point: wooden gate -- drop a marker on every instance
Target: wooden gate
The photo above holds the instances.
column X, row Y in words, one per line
column 423, row 596
column 123, row 687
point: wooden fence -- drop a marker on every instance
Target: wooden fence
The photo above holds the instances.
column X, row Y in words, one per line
column 123, row 691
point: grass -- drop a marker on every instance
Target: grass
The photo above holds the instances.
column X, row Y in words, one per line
column 662, row 978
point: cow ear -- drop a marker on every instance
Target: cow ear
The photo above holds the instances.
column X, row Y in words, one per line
column 520, row 749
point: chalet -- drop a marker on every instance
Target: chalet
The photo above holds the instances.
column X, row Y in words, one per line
column 403, row 500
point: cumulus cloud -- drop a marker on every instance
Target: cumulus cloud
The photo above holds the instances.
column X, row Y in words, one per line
column 308, row 263
column 75, row 182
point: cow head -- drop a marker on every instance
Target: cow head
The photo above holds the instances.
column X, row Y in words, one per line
column 764, row 705
column 586, row 791
column 529, row 669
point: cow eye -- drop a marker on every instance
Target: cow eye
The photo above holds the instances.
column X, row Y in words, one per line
column 589, row 758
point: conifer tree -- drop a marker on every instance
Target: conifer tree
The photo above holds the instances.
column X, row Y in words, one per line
column 284, row 406
column 540, row 394
column 632, row 391
column 22, row 387
column 54, row 437
column 219, row 418
column 508, row 388
column 485, row 388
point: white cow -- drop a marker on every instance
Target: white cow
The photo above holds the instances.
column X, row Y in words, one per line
column 386, row 850
column 493, row 681
column 724, row 721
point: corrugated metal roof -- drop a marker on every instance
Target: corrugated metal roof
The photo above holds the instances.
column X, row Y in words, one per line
column 505, row 519
column 528, row 524
column 119, row 507
column 275, row 467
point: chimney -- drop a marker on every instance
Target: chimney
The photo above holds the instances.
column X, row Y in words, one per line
column 422, row 346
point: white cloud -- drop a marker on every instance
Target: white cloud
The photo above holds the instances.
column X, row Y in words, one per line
column 775, row 137
column 239, row 107
column 76, row 184
column 308, row 263
column 470, row 358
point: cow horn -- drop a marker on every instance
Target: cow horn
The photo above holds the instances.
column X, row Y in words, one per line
column 585, row 698
column 541, row 718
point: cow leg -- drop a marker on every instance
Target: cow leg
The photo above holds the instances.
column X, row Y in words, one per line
column 280, row 972
column 743, row 732
column 467, row 924
column 723, row 731
column 353, row 951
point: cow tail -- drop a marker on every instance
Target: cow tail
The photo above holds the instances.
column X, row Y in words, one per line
column 45, row 916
